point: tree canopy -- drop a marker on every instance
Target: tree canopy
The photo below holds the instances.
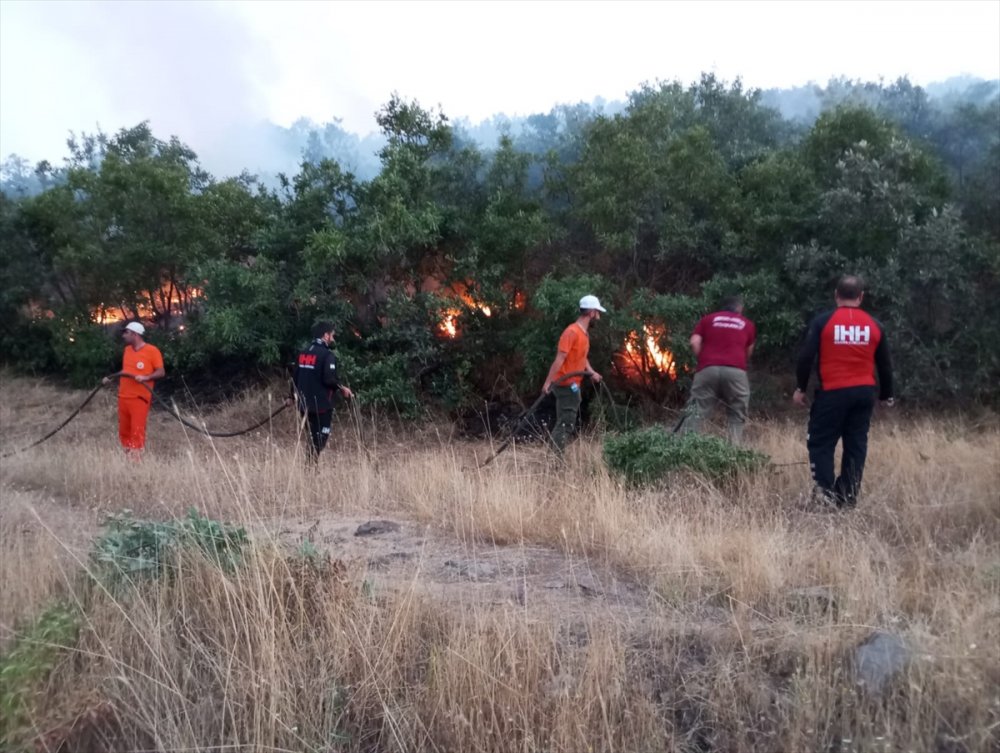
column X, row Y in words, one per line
column 450, row 268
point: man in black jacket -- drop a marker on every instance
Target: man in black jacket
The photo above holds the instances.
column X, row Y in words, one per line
column 846, row 346
column 316, row 383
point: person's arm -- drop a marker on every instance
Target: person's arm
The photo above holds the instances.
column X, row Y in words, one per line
column 592, row 372
column 752, row 340
column 807, row 357
column 554, row 369
column 329, row 374
column 883, row 364
column 696, row 341
column 158, row 372
column 331, row 377
column 698, row 336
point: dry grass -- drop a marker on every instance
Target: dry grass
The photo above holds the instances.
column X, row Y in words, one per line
column 720, row 655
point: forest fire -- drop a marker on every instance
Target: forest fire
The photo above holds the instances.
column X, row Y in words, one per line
column 167, row 302
column 642, row 356
column 448, row 326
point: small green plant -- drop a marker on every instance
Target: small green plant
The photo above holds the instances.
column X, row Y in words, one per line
column 26, row 665
column 131, row 548
column 647, row 455
column 307, row 550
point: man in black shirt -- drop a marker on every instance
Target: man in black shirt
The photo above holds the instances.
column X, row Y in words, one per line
column 316, row 383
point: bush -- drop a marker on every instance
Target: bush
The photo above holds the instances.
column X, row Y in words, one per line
column 382, row 383
column 26, row 666
column 133, row 548
column 86, row 354
column 557, row 304
column 648, row 455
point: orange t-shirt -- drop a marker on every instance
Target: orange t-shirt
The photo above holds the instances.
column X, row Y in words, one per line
column 575, row 343
column 144, row 361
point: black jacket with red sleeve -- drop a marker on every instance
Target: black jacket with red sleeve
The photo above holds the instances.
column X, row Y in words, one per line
column 316, row 380
column 848, row 346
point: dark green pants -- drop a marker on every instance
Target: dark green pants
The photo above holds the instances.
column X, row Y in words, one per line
column 567, row 409
column 719, row 384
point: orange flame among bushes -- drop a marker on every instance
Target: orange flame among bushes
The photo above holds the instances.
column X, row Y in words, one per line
column 168, row 298
column 642, row 357
column 449, row 326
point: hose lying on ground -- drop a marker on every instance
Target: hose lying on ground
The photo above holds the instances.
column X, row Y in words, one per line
column 171, row 411
column 61, row 426
column 175, row 414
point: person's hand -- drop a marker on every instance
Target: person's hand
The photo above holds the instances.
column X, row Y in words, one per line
column 547, row 386
column 346, row 392
column 799, row 398
column 106, row 380
column 888, row 402
column 140, row 378
column 288, row 402
column 596, row 377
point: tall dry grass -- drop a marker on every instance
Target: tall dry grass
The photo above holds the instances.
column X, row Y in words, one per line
column 721, row 653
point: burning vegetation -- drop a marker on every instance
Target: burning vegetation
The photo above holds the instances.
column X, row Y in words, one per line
column 642, row 358
column 449, row 325
column 170, row 301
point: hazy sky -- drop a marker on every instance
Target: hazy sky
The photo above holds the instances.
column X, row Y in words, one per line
column 195, row 69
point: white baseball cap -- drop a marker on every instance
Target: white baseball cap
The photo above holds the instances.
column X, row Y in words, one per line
column 590, row 302
column 135, row 327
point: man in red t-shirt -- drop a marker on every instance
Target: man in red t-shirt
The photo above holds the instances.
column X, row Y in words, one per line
column 572, row 355
column 141, row 364
column 722, row 342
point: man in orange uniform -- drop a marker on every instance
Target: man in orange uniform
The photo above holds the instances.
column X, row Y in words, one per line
column 141, row 364
column 571, row 355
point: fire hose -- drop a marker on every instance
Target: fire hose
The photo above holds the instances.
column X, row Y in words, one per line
column 527, row 414
column 170, row 410
column 534, row 406
column 175, row 414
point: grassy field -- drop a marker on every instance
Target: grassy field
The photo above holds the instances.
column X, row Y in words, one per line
column 520, row 608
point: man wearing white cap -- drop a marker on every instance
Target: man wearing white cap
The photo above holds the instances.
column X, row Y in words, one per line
column 571, row 355
column 141, row 364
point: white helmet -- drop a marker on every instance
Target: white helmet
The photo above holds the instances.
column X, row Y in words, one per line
column 136, row 327
column 589, row 302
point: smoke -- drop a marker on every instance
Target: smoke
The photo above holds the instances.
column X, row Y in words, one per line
column 189, row 69
column 213, row 75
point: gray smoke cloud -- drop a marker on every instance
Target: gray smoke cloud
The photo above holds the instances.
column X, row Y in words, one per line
column 188, row 68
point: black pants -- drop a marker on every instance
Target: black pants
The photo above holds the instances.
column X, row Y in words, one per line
column 319, row 431
column 836, row 415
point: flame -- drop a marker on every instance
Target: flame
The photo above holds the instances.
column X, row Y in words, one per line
column 449, row 326
column 113, row 314
column 472, row 303
column 642, row 355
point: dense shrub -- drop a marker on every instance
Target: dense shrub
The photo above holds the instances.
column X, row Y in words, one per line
column 648, row 455
column 130, row 549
